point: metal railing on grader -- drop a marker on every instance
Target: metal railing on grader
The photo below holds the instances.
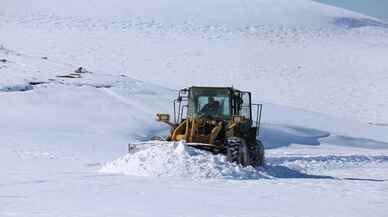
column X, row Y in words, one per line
column 219, row 120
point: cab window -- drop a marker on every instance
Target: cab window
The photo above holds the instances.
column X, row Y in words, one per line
column 245, row 108
column 210, row 102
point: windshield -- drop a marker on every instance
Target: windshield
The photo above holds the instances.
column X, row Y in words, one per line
column 209, row 102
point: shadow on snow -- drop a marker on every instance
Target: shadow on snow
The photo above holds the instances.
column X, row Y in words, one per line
column 277, row 136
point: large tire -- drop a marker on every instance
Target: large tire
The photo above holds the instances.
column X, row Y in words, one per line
column 257, row 154
column 237, row 151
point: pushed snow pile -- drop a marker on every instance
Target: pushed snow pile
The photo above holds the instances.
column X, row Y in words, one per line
column 179, row 160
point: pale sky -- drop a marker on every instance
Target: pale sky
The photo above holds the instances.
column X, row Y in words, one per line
column 374, row 8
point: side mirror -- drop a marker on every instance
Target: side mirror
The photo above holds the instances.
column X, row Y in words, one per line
column 163, row 117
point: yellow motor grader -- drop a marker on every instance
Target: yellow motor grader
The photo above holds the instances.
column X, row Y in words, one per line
column 219, row 120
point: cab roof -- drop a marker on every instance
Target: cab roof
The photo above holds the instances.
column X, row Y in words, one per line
column 209, row 87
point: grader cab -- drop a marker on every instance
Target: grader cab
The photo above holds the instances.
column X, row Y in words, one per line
column 221, row 120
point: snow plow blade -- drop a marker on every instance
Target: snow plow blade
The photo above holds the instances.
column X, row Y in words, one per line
column 235, row 150
column 139, row 146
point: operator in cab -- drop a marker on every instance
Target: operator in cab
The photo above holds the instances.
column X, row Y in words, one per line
column 212, row 108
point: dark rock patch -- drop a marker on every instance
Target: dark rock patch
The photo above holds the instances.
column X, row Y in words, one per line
column 71, row 75
column 82, row 70
column 34, row 83
column 16, row 88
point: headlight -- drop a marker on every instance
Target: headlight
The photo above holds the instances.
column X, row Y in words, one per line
column 163, row 117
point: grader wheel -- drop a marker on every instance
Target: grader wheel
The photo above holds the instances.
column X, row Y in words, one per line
column 238, row 151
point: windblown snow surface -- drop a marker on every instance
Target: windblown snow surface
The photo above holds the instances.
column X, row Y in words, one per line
column 320, row 71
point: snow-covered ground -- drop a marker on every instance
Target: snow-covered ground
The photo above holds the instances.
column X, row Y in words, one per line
column 320, row 71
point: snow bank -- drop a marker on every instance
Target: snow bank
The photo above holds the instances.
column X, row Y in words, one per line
column 179, row 160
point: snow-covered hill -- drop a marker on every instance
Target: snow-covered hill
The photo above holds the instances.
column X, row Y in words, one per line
column 211, row 12
column 320, row 72
column 304, row 54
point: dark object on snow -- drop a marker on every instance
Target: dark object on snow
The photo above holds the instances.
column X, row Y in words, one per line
column 3, row 60
column 81, row 70
column 103, row 86
column 33, row 83
column 72, row 75
column 44, row 58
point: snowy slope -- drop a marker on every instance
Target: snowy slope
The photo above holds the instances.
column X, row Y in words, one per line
column 320, row 72
column 202, row 12
column 288, row 53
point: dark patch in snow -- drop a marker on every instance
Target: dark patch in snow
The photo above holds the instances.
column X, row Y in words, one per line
column 90, row 85
column 34, row 83
column 349, row 22
column 3, row 60
column 367, row 180
column 378, row 124
column 71, row 75
column 102, row 86
column 16, row 88
column 284, row 172
column 82, row 70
